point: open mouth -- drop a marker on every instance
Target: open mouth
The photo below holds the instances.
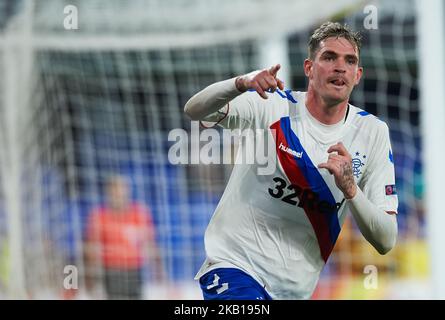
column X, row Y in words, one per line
column 338, row 82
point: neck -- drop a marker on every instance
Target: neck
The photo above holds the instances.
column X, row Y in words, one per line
column 322, row 110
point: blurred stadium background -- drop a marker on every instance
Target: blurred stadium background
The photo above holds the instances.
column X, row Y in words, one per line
column 79, row 105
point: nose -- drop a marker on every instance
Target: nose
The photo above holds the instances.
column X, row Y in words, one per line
column 340, row 66
column 339, row 69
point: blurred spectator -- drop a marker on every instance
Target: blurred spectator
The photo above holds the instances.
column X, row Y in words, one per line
column 120, row 243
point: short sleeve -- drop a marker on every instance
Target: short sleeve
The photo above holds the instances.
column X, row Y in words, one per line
column 378, row 182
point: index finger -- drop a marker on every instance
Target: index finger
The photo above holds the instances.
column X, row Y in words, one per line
column 339, row 148
column 274, row 70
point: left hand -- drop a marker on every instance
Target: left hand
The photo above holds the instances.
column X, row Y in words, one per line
column 340, row 165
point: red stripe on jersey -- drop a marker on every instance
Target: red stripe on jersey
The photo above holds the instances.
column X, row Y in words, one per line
column 296, row 177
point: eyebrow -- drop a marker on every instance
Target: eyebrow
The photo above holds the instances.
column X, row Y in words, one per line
column 333, row 53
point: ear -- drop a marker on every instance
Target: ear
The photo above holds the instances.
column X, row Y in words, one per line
column 358, row 75
column 307, row 66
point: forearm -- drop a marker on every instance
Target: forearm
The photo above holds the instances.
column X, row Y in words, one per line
column 377, row 226
column 211, row 99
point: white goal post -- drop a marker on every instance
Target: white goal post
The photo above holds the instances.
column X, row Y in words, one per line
column 431, row 28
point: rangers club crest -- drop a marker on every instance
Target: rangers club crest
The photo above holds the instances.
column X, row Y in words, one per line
column 357, row 164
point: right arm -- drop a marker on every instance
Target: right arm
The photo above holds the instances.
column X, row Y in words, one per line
column 216, row 96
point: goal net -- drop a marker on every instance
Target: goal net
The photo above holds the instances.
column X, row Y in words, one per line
column 91, row 90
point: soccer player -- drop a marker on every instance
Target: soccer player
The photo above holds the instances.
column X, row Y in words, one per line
column 271, row 235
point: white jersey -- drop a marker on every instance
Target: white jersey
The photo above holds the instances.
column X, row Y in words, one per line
column 281, row 228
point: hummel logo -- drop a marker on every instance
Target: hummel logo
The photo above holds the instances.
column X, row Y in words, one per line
column 290, row 151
